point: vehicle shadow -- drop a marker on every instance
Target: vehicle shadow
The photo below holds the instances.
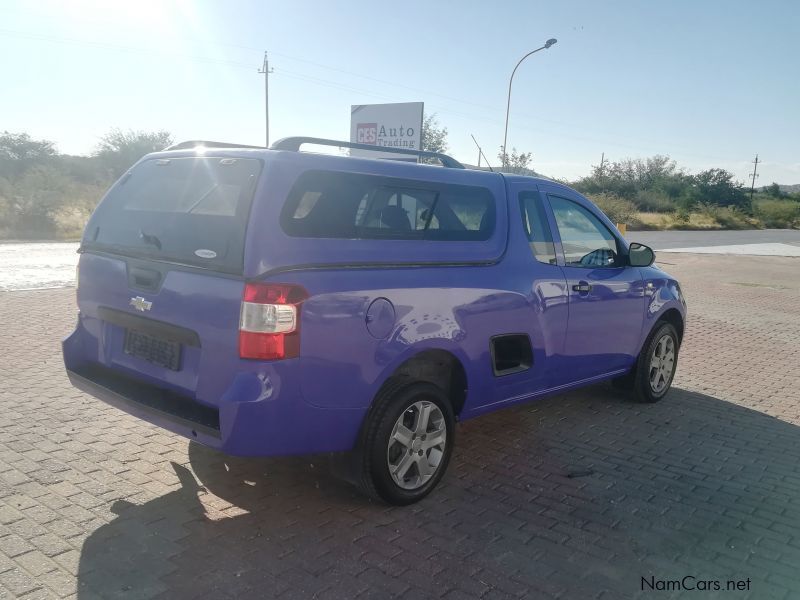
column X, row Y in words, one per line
column 574, row 495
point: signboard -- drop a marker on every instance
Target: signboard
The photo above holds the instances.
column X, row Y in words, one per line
column 396, row 125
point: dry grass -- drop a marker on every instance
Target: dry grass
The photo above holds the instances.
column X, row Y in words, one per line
column 692, row 221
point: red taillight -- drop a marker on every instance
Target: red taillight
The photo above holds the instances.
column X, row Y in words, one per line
column 270, row 320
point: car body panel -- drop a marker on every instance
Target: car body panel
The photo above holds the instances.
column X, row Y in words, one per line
column 445, row 296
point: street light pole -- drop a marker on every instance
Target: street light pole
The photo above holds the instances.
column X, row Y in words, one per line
column 547, row 44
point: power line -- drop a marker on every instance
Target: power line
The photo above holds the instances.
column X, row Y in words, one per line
column 486, row 119
column 332, row 84
column 122, row 48
column 336, row 85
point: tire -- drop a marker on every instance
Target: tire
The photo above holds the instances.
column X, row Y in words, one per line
column 656, row 365
column 399, row 438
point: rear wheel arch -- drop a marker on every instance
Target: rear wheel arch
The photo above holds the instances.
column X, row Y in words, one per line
column 440, row 367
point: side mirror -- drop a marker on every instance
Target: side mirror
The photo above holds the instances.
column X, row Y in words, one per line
column 640, row 255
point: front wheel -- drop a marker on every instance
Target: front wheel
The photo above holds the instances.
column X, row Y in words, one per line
column 656, row 366
column 407, row 443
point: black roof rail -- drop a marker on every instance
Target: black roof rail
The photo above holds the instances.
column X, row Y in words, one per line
column 209, row 144
column 293, row 144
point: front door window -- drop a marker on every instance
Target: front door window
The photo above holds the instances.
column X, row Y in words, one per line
column 584, row 238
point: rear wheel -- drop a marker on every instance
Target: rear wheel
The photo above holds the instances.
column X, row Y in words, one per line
column 655, row 368
column 407, row 443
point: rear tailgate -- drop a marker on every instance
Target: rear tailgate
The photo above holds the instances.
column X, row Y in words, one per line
column 183, row 334
column 160, row 283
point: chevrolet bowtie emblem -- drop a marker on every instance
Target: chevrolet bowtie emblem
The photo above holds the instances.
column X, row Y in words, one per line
column 140, row 303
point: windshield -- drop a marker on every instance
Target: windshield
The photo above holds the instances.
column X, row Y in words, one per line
column 190, row 210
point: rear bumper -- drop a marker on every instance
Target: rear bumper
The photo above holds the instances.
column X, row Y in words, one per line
column 145, row 401
column 243, row 421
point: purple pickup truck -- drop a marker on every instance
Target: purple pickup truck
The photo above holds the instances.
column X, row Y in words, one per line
column 271, row 302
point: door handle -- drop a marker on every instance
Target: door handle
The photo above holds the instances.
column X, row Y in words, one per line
column 582, row 287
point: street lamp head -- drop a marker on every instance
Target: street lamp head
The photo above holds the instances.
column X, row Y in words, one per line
column 550, row 42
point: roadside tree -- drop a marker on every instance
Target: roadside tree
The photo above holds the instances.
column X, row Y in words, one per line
column 516, row 162
column 118, row 150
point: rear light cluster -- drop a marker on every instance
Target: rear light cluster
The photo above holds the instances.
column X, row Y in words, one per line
column 269, row 325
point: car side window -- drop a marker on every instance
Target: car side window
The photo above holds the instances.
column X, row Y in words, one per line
column 584, row 238
column 534, row 219
column 330, row 204
column 400, row 210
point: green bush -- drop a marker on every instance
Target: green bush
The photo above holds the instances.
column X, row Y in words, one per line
column 617, row 209
column 778, row 213
column 654, row 201
column 46, row 195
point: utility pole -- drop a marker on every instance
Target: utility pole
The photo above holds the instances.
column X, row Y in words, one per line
column 754, row 174
column 265, row 70
column 480, row 153
column 602, row 175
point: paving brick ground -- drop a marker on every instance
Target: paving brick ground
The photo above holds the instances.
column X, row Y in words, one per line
column 576, row 496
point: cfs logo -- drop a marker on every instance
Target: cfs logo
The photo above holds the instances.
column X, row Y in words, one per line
column 367, row 133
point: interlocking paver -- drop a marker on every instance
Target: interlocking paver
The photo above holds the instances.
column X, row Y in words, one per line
column 18, row 582
column 13, row 545
column 35, row 563
column 578, row 495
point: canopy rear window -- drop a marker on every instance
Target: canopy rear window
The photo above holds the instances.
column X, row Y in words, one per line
column 327, row 204
column 190, row 210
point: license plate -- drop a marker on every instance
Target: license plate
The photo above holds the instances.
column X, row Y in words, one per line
column 161, row 352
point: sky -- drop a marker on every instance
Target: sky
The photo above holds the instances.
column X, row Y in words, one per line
column 711, row 83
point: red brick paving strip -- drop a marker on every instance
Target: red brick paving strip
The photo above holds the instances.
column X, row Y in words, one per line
column 577, row 496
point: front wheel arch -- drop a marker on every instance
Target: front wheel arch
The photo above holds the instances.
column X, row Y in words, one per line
column 671, row 316
column 674, row 318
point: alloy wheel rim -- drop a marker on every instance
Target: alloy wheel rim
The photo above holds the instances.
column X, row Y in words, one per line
column 416, row 445
column 662, row 363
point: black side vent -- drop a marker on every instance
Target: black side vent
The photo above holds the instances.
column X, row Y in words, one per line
column 511, row 353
